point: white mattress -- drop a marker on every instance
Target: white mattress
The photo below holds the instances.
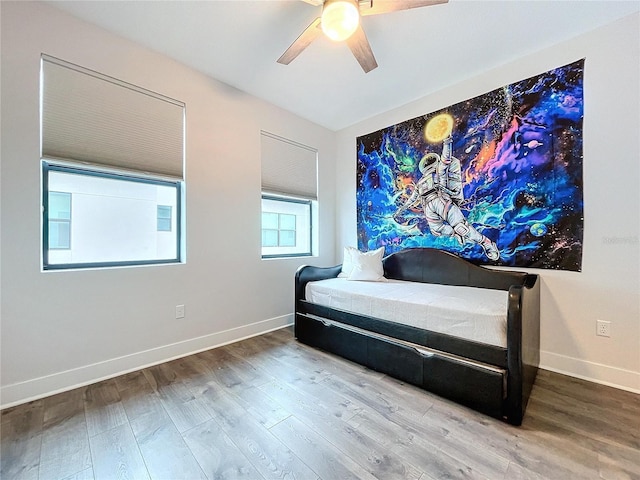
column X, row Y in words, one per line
column 477, row 314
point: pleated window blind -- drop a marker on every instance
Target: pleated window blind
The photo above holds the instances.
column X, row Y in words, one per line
column 288, row 168
column 90, row 117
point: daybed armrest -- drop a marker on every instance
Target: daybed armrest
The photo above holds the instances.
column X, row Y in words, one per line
column 309, row 273
column 523, row 344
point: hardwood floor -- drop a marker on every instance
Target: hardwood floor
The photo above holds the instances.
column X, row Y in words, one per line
column 271, row 408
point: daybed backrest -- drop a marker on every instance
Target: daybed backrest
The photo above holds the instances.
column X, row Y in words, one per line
column 429, row 265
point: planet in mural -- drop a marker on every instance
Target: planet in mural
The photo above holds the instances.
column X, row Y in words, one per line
column 538, row 229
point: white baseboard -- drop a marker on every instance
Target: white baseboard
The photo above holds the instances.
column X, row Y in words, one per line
column 594, row 372
column 22, row 392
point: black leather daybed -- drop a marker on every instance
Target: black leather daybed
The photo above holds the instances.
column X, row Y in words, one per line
column 493, row 379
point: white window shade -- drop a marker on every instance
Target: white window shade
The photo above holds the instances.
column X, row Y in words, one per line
column 90, row 117
column 288, row 168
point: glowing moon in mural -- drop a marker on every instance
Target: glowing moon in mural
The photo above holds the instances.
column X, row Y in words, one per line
column 438, row 128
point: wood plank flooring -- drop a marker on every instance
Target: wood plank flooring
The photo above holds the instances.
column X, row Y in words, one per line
column 272, row 408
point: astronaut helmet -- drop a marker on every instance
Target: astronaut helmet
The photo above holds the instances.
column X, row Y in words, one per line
column 427, row 161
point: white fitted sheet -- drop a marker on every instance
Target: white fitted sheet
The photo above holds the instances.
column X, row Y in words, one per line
column 477, row 314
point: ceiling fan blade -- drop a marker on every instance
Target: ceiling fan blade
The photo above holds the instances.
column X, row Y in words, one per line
column 302, row 42
column 361, row 49
column 376, row 7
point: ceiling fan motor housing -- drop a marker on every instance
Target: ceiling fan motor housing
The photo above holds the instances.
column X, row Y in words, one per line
column 340, row 19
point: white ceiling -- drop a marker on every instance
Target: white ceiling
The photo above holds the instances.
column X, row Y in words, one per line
column 419, row 51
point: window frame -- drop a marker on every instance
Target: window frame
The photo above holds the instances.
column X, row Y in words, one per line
column 52, row 166
column 278, row 198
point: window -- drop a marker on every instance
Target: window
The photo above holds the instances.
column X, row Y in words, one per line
column 113, row 170
column 59, row 221
column 164, row 218
column 115, row 220
column 289, row 197
column 286, row 227
column 278, row 229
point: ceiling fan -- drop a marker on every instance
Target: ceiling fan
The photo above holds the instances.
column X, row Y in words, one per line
column 340, row 21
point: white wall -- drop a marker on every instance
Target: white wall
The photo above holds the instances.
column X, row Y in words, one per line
column 60, row 329
column 608, row 287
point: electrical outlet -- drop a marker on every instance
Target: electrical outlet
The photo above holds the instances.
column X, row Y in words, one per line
column 179, row 311
column 603, row 328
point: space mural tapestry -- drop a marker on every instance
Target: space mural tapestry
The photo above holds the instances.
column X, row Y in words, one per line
column 496, row 179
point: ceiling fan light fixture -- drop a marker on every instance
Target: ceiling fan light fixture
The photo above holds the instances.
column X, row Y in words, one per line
column 340, row 19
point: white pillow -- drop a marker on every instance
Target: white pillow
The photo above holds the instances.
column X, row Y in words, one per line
column 347, row 263
column 367, row 266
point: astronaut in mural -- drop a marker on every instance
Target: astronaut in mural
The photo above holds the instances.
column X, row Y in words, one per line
column 439, row 191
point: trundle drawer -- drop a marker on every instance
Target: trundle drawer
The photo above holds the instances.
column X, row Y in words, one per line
column 346, row 343
column 481, row 388
column 477, row 385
